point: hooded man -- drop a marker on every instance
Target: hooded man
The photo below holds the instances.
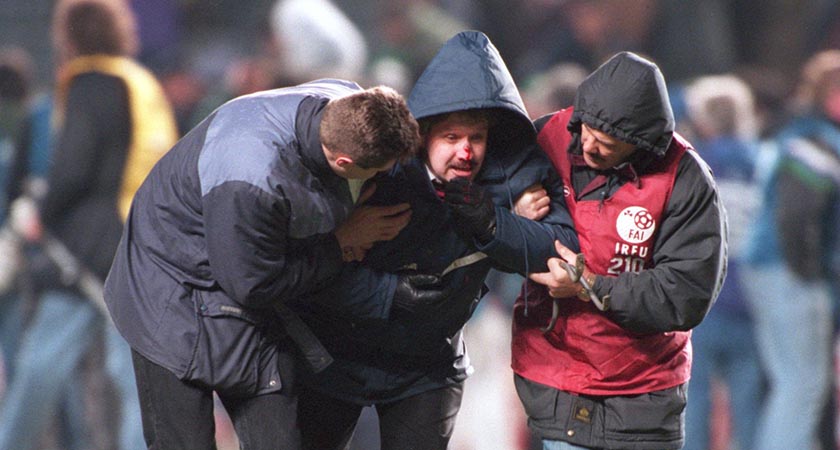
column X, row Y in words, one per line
column 397, row 340
column 610, row 372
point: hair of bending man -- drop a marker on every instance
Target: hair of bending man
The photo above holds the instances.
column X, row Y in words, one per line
column 361, row 125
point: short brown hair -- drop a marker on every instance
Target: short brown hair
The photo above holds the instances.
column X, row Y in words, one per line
column 89, row 27
column 373, row 127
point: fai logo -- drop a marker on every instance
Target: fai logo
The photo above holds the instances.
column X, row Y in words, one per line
column 635, row 224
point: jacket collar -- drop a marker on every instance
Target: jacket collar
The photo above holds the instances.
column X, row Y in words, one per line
column 307, row 127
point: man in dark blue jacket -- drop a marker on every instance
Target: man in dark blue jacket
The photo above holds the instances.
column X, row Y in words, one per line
column 396, row 338
column 251, row 209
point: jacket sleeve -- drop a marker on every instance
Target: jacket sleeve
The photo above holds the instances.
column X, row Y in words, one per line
column 358, row 293
column 689, row 260
column 250, row 252
column 522, row 245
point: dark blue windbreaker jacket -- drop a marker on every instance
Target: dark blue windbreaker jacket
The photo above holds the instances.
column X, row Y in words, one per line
column 384, row 358
column 236, row 217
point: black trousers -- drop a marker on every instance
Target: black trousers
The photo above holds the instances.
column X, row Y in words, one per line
column 179, row 416
column 424, row 421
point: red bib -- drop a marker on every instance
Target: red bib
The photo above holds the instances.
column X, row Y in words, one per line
column 586, row 352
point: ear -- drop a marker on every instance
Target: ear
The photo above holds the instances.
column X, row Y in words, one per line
column 342, row 161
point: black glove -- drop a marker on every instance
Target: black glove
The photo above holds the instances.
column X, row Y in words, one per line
column 418, row 294
column 472, row 209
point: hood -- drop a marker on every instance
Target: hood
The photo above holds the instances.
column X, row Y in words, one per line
column 468, row 72
column 626, row 98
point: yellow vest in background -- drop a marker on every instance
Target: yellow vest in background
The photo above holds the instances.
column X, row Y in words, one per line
column 153, row 127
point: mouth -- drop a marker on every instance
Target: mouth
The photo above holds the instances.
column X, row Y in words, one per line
column 461, row 170
column 593, row 160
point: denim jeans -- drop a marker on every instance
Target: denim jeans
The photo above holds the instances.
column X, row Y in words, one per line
column 560, row 445
column 121, row 372
column 53, row 345
column 794, row 330
column 725, row 348
column 11, row 328
column 50, row 351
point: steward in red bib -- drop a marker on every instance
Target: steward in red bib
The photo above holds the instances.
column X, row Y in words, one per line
column 652, row 232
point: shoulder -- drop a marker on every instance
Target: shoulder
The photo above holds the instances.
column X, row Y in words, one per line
column 94, row 83
column 694, row 190
column 96, row 89
column 694, row 170
column 562, row 117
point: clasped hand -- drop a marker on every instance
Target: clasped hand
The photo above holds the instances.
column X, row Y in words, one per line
column 472, row 209
column 534, row 203
column 558, row 280
column 368, row 224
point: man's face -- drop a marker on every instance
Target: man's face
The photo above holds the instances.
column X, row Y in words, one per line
column 456, row 148
column 602, row 151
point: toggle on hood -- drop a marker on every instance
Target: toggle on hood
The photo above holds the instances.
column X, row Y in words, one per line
column 467, row 73
column 626, row 98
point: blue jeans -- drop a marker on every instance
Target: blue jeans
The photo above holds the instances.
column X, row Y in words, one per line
column 794, row 329
column 11, row 328
column 560, row 445
column 61, row 331
column 725, row 349
column 121, row 372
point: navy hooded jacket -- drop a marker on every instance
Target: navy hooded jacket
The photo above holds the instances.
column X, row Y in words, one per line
column 382, row 357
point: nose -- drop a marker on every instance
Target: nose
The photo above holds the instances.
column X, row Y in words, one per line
column 466, row 151
column 589, row 145
column 585, row 142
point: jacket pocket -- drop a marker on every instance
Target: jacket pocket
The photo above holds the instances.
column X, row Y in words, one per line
column 651, row 417
column 539, row 401
column 236, row 351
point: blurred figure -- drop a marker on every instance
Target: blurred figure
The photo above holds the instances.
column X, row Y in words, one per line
column 34, row 272
column 113, row 124
column 316, row 40
column 582, row 31
column 554, row 89
column 15, row 89
column 722, row 119
column 793, row 257
column 243, row 76
column 405, row 35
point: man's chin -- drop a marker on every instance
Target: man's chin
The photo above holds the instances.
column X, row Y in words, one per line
column 594, row 164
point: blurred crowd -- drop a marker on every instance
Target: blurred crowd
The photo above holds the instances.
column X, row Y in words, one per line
column 755, row 86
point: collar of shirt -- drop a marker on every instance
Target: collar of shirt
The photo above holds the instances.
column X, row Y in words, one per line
column 437, row 185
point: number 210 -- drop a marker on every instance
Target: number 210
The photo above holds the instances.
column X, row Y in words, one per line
column 621, row 264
